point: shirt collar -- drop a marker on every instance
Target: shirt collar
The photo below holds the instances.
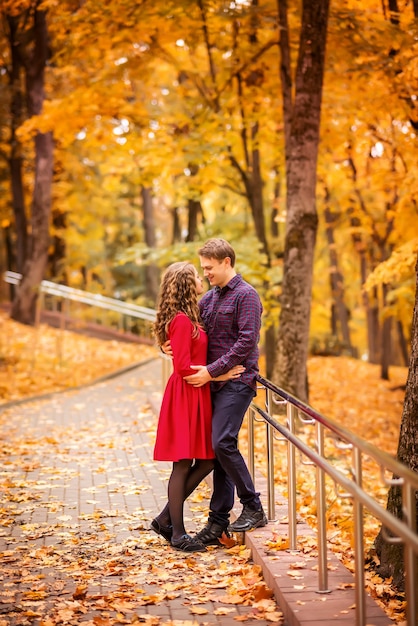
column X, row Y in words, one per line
column 231, row 285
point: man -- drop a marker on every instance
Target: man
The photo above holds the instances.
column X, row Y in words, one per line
column 231, row 313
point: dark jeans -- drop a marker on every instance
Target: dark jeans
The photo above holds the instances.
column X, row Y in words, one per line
column 229, row 406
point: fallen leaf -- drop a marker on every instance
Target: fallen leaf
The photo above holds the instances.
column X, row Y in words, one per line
column 80, row 592
column 196, row 610
column 226, row 541
column 224, row 610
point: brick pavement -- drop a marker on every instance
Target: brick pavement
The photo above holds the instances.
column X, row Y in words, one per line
column 79, row 490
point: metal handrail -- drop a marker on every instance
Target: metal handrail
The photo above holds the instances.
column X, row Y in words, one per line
column 404, row 530
column 84, row 297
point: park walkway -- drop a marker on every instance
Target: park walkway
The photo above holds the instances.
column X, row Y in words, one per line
column 79, row 489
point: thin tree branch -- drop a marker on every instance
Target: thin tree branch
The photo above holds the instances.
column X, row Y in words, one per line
column 285, row 70
column 209, row 52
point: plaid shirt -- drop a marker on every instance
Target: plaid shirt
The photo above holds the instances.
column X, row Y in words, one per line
column 232, row 319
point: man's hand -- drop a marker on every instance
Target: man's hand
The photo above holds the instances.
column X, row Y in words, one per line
column 201, row 377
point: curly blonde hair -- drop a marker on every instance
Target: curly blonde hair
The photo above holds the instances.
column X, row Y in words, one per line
column 178, row 292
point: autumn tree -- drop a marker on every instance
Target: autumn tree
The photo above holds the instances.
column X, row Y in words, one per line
column 339, row 311
column 391, row 554
column 152, row 275
column 180, row 99
column 368, row 168
column 301, row 114
column 15, row 158
column 29, row 52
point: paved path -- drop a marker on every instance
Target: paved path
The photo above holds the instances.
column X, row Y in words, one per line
column 79, row 488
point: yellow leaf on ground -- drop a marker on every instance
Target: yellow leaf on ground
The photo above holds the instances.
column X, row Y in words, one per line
column 197, row 610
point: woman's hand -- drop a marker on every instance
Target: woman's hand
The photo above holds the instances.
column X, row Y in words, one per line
column 234, row 372
column 202, row 375
column 166, row 348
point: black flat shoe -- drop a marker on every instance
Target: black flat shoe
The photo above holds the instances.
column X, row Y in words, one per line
column 188, row 544
column 164, row 531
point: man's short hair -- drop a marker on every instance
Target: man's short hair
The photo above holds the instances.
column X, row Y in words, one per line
column 217, row 249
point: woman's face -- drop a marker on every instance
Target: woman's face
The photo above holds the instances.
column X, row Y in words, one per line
column 199, row 284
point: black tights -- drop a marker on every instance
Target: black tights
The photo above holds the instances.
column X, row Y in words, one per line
column 186, row 475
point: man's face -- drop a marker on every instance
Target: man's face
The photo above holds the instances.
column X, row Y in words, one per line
column 217, row 272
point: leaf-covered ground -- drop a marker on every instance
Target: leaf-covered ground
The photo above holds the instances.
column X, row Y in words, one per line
column 78, row 488
column 351, row 393
column 35, row 361
column 38, row 361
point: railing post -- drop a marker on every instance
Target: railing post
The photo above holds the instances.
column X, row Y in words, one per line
column 321, row 506
column 411, row 565
column 271, row 498
column 40, row 302
column 291, row 479
column 167, row 368
column 250, row 423
column 270, row 474
column 60, row 338
column 359, row 543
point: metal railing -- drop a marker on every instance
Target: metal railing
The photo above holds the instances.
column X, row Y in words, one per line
column 312, row 447
column 125, row 311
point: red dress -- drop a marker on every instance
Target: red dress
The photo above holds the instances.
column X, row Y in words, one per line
column 185, row 422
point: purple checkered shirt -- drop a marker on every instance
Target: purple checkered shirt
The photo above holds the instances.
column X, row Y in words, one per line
column 232, row 319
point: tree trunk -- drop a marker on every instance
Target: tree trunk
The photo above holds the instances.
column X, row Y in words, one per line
column 195, row 208
column 274, row 216
column 370, row 304
column 19, row 211
column 403, row 347
column 271, row 330
column 56, row 260
column 394, row 11
column 290, row 370
column 391, row 555
column 256, row 196
column 176, row 225
column 152, row 274
column 270, row 350
column 9, row 249
column 385, row 355
column 23, row 307
column 373, row 326
column 337, row 283
column 251, row 172
column 15, row 161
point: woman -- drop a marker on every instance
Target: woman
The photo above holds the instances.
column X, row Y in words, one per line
column 184, row 434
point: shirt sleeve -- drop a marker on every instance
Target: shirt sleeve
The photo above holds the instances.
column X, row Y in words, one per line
column 248, row 317
column 180, row 332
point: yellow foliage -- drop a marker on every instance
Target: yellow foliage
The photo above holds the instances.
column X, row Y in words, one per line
column 401, row 264
column 188, row 105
